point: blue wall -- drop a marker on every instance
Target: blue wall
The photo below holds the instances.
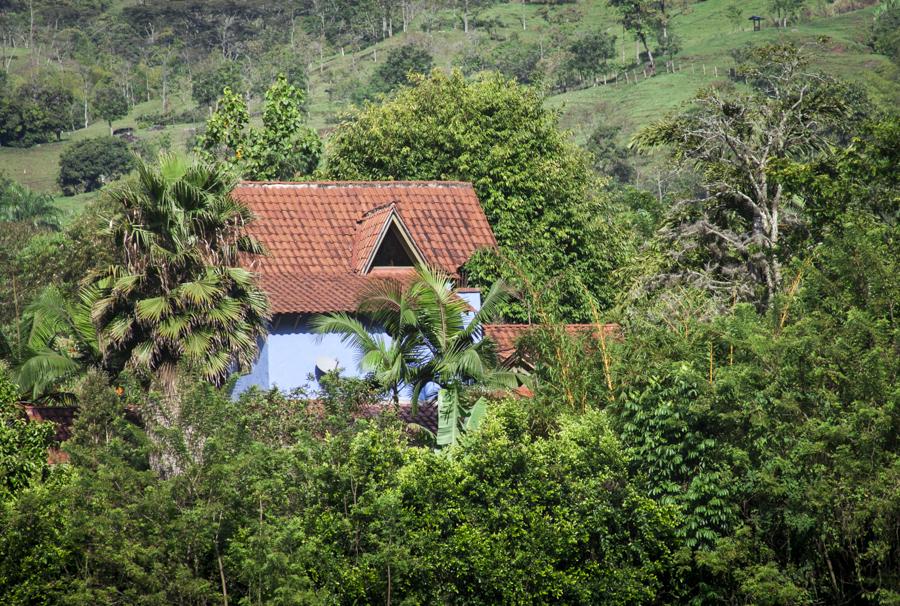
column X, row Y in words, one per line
column 287, row 359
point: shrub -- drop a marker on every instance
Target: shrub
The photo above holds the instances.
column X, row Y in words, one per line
column 89, row 164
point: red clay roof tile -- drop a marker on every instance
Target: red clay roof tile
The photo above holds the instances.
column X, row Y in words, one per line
column 316, row 232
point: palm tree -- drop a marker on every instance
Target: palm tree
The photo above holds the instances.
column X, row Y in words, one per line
column 178, row 296
column 21, row 205
column 428, row 338
column 61, row 341
column 457, row 354
column 390, row 356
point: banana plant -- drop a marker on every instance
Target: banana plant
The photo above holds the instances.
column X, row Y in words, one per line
column 455, row 421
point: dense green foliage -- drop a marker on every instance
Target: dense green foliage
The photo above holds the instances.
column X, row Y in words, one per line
column 34, row 113
column 400, row 62
column 590, row 55
column 777, row 436
column 283, row 149
column 886, row 30
column 89, row 164
column 208, row 86
column 177, row 293
column 534, row 185
column 268, row 511
column 23, row 445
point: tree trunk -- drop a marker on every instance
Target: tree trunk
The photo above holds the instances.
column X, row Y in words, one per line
column 165, row 87
column 649, row 53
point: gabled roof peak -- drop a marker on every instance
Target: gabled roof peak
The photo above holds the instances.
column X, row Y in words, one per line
column 376, row 210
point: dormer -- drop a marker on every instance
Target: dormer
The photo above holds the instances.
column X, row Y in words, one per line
column 384, row 241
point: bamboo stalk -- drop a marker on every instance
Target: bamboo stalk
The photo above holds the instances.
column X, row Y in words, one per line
column 792, row 291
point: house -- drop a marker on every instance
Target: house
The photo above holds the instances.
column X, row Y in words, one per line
column 326, row 241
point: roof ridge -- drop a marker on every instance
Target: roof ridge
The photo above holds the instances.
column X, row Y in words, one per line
column 350, row 184
column 377, row 209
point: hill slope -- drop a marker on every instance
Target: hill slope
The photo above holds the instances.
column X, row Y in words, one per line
column 706, row 32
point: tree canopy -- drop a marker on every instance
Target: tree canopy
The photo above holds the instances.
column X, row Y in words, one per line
column 535, row 186
column 284, row 148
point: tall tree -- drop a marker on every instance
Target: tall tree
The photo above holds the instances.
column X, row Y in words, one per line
column 590, row 54
column 178, row 295
column 535, row 185
column 284, row 148
column 786, row 10
column 110, row 104
column 730, row 240
column 400, row 62
column 644, row 19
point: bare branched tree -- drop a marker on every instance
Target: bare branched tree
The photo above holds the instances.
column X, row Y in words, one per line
column 729, row 240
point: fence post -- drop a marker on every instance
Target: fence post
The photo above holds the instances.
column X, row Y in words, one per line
column 716, row 69
column 704, row 69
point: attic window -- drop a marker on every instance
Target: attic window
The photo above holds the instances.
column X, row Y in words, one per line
column 392, row 246
column 394, row 251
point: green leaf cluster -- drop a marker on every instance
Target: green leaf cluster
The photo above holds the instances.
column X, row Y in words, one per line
column 283, row 149
column 534, row 184
column 275, row 513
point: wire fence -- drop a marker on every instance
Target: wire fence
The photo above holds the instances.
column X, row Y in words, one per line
column 637, row 74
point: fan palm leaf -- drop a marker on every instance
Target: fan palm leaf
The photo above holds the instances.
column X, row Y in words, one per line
column 179, row 294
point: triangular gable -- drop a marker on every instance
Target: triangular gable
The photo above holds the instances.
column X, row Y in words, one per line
column 380, row 230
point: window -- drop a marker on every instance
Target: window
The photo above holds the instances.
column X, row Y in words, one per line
column 393, row 251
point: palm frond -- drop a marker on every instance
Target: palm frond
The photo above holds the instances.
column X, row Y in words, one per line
column 43, row 369
column 46, row 318
column 152, row 309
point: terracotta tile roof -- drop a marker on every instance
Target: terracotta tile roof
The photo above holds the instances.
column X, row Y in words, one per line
column 426, row 413
column 316, row 234
column 507, row 336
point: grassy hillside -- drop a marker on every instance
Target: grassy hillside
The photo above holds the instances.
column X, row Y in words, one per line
column 706, row 34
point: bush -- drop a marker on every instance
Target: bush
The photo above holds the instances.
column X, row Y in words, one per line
column 33, row 114
column 287, row 513
column 90, row 164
